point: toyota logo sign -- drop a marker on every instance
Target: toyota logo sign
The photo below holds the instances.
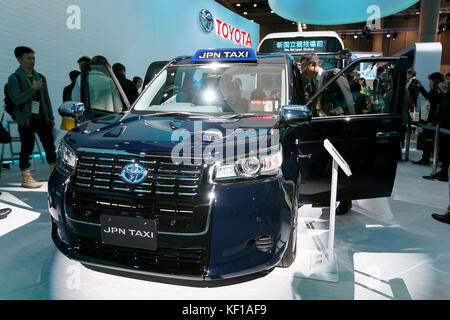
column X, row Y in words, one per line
column 206, row 20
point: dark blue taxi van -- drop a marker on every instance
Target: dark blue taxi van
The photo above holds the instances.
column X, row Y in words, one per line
column 201, row 178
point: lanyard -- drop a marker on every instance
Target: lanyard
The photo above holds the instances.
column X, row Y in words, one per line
column 29, row 82
column 409, row 83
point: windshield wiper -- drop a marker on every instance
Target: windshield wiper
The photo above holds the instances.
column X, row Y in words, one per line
column 178, row 114
column 239, row 116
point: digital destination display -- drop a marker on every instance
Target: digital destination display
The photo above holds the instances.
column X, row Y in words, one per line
column 301, row 46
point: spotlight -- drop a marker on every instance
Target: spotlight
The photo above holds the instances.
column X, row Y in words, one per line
column 271, row 11
column 355, row 36
column 238, row 4
column 388, row 35
column 245, row 12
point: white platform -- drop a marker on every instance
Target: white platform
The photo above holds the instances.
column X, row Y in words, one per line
column 386, row 248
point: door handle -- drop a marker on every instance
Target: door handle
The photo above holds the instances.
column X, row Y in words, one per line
column 386, row 134
column 304, row 156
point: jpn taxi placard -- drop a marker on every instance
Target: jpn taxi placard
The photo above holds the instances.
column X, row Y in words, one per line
column 230, row 55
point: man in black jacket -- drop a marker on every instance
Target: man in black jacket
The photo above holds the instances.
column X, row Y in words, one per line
column 127, row 85
column 67, row 92
column 444, row 145
column 337, row 98
column 434, row 97
column 414, row 88
column 443, row 118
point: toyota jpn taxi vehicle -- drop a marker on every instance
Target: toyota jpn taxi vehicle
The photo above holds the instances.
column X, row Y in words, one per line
column 202, row 176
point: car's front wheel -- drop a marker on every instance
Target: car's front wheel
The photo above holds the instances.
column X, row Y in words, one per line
column 291, row 250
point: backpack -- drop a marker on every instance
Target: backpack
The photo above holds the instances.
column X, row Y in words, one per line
column 9, row 104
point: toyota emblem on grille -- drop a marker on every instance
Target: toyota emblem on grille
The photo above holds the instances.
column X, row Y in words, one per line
column 134, row 173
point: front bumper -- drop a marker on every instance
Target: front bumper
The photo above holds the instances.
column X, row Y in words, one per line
column 237, row 217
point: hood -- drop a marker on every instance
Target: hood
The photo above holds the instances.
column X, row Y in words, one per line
column 162, row 134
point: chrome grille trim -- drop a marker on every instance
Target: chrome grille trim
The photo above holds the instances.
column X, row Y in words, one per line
column 101, row 169
column 192, row 187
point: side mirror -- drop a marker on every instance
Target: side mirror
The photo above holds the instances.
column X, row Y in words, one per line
column 71, row 109
column 293, row 115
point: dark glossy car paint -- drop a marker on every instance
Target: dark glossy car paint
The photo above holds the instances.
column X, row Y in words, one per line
column 228, row 224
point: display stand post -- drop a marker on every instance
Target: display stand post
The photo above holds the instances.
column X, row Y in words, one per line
column 327, row 271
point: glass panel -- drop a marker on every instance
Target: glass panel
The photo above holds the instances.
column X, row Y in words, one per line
column 216, row 89
column 366, row 88
column 103, row 93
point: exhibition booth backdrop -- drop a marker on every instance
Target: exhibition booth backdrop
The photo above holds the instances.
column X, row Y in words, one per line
column 133, row 32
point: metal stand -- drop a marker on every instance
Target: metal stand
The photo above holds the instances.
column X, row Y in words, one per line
column 328, row 270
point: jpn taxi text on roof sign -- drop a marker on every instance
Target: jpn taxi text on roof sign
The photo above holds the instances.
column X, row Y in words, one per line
column 238, row 55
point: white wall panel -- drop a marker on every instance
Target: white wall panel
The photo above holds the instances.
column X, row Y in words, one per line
column 133, row 32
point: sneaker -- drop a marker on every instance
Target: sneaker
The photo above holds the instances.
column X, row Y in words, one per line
column 343, row 208
column 442, row 217
column 4, row 213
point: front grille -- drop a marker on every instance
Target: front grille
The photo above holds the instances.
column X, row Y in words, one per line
column 176, row 195
column 187, row 261
column 165, row 178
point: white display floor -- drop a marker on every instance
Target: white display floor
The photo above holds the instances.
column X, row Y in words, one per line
column 388, row 248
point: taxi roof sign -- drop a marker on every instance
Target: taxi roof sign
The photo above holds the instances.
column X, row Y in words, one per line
column 230, row 55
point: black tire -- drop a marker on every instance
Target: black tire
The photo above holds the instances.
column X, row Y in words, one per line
column 291, row 250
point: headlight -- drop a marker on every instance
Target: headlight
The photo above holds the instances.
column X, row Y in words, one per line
column 67, row 159
column 250, row 167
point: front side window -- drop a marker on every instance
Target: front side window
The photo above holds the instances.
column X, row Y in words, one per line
column 216, row 89
column 103, row 94
column 366, row 88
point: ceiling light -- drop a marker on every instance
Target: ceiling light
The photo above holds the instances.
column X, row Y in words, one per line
column 355, row 36
column 255, row 5
column 245, row 12
column 388, row 35
column 271, row 11
column 238, row 4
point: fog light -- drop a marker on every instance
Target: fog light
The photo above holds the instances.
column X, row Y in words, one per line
column 264, row 243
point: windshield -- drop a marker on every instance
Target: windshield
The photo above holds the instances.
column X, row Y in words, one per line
column 216, row 89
